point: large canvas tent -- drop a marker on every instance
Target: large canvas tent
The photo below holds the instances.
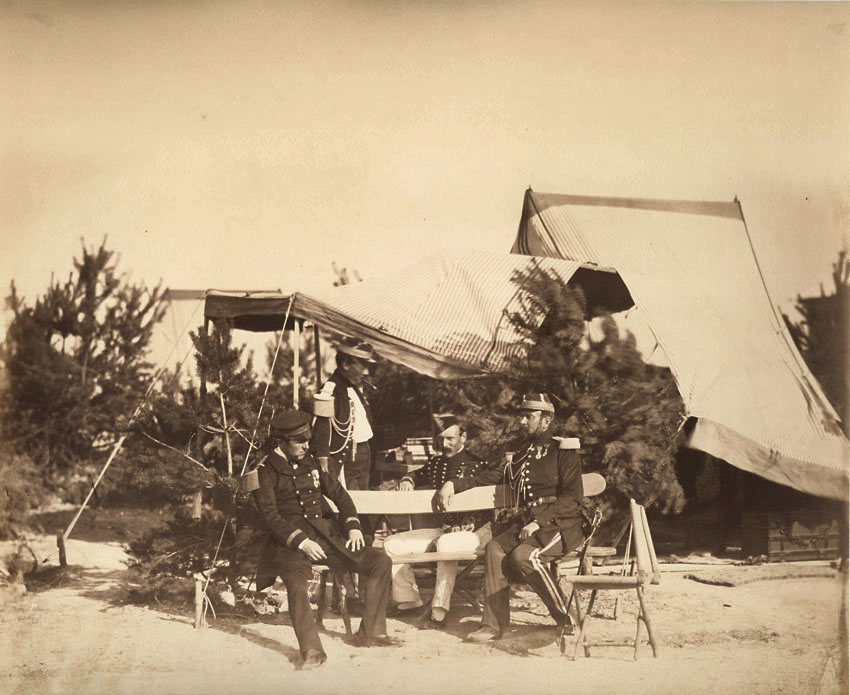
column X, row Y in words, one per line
column 691, row 270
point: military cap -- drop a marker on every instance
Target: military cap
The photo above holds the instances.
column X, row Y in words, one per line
column 292, row 424
column 537, row 401
column 446, row 420
column 356, row 348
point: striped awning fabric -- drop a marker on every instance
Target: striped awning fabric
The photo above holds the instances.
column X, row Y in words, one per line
column 446, row 316
column 691, row 270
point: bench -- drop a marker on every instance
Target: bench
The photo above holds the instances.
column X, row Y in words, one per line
column 417, row 502
column 489, row 497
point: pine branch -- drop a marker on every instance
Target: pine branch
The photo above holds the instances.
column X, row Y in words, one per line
column 215, row 473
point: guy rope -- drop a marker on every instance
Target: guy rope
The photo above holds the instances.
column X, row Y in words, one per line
column 62, row 537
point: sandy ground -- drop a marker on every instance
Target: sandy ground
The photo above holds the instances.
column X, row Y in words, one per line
column 76, row 632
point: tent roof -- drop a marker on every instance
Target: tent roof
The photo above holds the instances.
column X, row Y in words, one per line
column 692, row 272
column 445, row 316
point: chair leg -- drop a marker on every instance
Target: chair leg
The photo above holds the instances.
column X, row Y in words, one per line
column 582, row 624
column 466, row 593
column 342, row 593
column 573, row 597
column 562, row 638
column 644, row 613
column 322, row 602
column 637, row 626
column 587, row 615
column 467, row 570
column 346, row 620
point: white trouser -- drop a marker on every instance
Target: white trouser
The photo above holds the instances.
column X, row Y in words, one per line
column 425, row 539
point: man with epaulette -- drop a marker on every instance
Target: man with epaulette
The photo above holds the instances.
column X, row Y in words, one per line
column 341, row 440
column 302, row 531
column 545, row 487
column 453, row 532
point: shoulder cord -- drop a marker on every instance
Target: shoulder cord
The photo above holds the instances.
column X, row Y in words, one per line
column 517, row 477
column 343, row 429
column 515, row 482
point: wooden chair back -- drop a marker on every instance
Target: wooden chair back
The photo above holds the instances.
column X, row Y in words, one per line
column 646, row 562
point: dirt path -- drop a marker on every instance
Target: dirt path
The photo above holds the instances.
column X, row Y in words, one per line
column 80, row 636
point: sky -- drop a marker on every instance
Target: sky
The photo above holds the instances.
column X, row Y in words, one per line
column 251, row 145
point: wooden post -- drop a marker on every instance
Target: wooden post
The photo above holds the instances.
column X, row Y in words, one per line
column 197, row 498
column 318, row 357
column 296, row 360
column 226, row 434
column 60, row 543
column 199, row 602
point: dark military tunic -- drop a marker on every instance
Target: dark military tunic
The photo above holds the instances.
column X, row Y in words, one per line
column 291, row 501
column 545, row 486
column 440, row 469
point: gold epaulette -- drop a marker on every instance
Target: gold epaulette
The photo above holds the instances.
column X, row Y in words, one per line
column 568, row 442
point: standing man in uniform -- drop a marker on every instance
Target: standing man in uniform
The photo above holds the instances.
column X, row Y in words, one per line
column 302, row 531
column 545, row 486
column 341, row 442
column 452, row 532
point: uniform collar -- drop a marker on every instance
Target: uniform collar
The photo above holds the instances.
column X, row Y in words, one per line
column 341, row 380
column 544, row 437
column 284, row 463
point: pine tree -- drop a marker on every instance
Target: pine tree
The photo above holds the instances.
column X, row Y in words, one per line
column 204, row 440
column 77, row 363
column 823, row 337
column 625, row 412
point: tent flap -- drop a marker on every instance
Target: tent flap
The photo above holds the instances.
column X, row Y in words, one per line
column 690, row 269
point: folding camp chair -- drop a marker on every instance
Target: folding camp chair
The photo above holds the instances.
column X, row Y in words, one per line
column 644, row 571
column 564, row 570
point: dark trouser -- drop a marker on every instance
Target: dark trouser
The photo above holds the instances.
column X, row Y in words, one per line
column 357, row 472
column 372, row 564
column 509, row 560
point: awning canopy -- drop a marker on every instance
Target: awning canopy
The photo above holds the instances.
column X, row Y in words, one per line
column 446, row 316
column 691, row 271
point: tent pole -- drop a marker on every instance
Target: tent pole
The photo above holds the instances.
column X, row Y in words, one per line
column 296, row 363
column 198, row 495
column 318, row 357
column 203, row 374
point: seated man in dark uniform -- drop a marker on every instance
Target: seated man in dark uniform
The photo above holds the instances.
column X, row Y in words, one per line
column 302, row 531
column 545, row 487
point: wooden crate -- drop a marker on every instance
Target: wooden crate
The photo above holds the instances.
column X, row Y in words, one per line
column 804, row 534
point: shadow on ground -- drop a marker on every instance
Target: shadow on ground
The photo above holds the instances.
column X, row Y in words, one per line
column 101, row 524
